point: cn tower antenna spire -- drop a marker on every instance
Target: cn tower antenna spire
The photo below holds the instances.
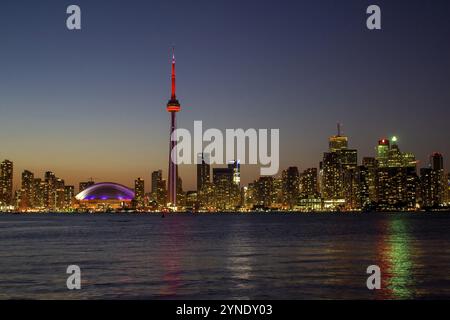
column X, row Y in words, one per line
column 173, row 96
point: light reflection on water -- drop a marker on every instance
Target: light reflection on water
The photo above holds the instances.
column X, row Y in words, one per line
column 276, row 256
column 396, row 259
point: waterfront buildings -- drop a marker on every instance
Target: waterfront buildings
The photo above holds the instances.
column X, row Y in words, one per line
column 396, row 177
column 388, row 181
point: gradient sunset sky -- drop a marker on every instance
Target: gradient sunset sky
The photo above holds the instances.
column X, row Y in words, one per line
column 91, row 103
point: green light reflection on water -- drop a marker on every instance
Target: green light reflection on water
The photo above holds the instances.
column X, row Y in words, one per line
column 400, row 281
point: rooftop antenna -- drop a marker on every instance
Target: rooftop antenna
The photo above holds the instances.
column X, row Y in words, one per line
column 339, row 129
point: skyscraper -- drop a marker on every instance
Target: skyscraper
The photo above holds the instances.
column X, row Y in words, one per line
column 60, row 194
column 39, row 191
column 363, row 180
column 396, row 177
column 203, row 171
column 173, row 106
column 309, row 183
column 428, row 189
column 159, row 191
column 290, row 187
column 156, row 177
column 337, row 173
column 226, row 191
column 265, row 192
column 6, row 183
column 383, row 152
column 371, row 164
column 204, row 186
column 139, row 192
column 235, row 167
column 437, row 164
column 338, row 142
column 432, row 182
column 332, row 178
column 223, row 184
column 437, row 161
column 27, row 190
column 50, row 190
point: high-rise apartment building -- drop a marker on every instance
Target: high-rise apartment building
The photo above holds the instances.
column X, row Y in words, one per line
column 6, row 183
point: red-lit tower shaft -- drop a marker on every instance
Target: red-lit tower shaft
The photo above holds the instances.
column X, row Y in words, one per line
column 173, row 106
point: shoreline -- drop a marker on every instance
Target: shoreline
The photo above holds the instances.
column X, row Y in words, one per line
column 159, row 213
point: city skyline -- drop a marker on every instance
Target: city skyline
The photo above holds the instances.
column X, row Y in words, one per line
column 83, row 107
column 17, row 173
column 336, row 143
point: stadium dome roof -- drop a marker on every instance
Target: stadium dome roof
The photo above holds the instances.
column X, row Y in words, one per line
column 106, row 191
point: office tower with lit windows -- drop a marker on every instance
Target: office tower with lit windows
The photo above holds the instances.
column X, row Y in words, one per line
column 17, row 200
column 50, row 190
column 350, row 188
column 396, row 188
column 447, row 188
column 348, row 159
column 266, row 193
column 203, row 171
column 250, row 195
column 290, row 187
column 309, row 198
column 27, row 200
column 278, row 196
column 6, row 183
column 205, row 191
column 156, row 177
column 363, row 180
column 337, row 142
column 235, row 167
column 437, row 164
column 338, row 172
column 390, row 156
column 428, row 192
column 437, row 161
column 432, row 183
column 69, row 196
column 181, row 196
column 139, row 192
column 383, row 152
column 332, row 178
column 370, row 163
column 60, row 202
column 159, row 191
column 223, row 188
column 191, row 200
column 39, row 191
column 309, row 187
column 396, row 181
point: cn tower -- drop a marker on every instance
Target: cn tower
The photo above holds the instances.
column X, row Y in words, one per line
column 173, row 106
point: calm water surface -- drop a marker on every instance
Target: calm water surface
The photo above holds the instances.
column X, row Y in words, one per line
column 225, row 256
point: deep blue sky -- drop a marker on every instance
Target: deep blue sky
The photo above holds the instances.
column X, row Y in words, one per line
column 91, row 103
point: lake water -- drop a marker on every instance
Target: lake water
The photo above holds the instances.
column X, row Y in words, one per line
column 225, row 256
